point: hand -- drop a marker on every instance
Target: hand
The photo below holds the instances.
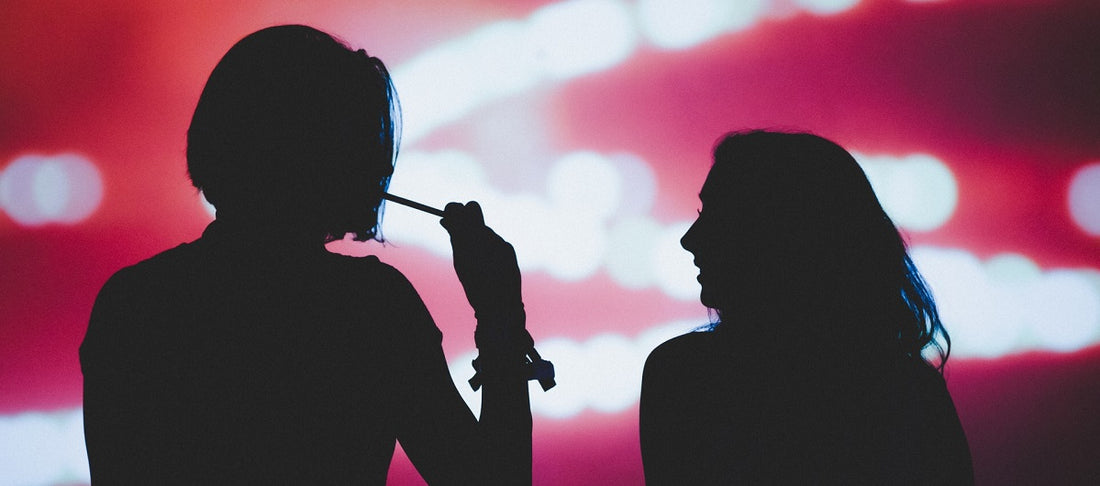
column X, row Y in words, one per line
column 485, row 264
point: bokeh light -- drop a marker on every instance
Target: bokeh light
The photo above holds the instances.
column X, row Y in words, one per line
column 36, row 190
column 1084, row 199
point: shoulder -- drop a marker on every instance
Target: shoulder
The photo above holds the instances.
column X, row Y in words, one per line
column 921, row 377
column 124, row 317
column 369, row 274
column 929, row 384
column 388, row 293
column 147, row 275
column 689, row 347
column 679, row 360
column 934, row 427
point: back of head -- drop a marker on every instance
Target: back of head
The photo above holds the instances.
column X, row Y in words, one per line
column 815, row 246
column 294, row 126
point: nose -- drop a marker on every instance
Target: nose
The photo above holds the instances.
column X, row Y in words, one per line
column 690, row 239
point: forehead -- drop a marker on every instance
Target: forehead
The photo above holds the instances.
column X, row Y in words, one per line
column 749, row 192
column 727, row 182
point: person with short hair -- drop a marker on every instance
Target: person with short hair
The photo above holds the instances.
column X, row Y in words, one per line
column 254, row 356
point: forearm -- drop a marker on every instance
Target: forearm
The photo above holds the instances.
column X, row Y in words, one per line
column 505, row 404
column 487, row 267
column 505, row 423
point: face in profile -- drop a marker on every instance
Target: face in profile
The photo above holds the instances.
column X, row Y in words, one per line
column 721, row 240
column 755, row 240
column 698, row 241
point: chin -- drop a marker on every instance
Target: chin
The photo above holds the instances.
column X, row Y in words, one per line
column 708, row 300
column 714, row 300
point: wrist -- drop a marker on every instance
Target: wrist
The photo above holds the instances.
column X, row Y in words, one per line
column 502, row 328
column 502, row 341
column 500, row 315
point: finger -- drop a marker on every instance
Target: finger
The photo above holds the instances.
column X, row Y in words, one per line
column 458, row 216
column 452, row 216
column 474, row 213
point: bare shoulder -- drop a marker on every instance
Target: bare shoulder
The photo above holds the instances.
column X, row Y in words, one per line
column 686, row 350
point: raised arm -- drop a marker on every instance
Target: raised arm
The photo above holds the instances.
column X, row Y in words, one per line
column 486, row 265
column 445, row 445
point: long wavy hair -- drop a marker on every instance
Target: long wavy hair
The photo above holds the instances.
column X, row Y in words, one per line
column 813, row 247
column 292, row 122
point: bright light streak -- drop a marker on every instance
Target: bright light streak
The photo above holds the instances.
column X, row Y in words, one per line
column 681, row 24
column 586, row 185
column 582, row 36
column 445, row 83
column 631, row 246
column 1065, row 311
column 826, row 7
column 640, row 184
column 559, row 41
column 573, row 249
column 37, row 190
column 49, row 450
column 1083, row 199
column 1006, row 304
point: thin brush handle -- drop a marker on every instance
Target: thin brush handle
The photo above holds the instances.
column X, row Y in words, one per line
column 412, row 204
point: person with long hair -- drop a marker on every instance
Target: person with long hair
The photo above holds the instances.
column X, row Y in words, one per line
column 254, row 356
column 823, row 364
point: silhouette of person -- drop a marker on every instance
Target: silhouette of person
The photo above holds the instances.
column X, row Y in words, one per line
column 813, row 371
column 254, row 356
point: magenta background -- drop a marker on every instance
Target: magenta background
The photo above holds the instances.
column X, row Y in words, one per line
column 1004, row 91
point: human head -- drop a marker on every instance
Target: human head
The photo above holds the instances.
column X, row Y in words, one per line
column 295, row 129
column 791, row 234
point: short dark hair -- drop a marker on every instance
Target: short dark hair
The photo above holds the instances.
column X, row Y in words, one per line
column 289, row 118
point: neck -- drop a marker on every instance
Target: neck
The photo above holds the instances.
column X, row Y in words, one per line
column 267, row 231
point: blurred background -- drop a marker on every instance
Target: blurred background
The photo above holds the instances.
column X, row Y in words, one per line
column 584, row 127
